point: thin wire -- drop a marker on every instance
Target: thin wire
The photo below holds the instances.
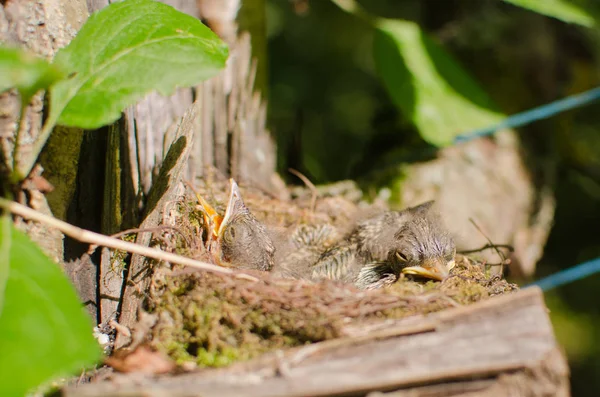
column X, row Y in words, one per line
column 538, row 113
column 569, row 275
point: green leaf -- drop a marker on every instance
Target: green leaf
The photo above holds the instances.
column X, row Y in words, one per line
column 428, row 85
column 44, row 332
column 5, row 241
column 125, row 51
column 564, row 10
column 25, row 72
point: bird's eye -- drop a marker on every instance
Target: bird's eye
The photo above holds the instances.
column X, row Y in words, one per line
column 401, row 257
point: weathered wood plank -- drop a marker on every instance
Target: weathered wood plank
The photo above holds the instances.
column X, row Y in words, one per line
column 549, row 378
column 494, row 345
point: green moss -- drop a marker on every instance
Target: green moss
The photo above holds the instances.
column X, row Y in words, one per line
column 60, row 159
column 119, row 258
column 215, row 320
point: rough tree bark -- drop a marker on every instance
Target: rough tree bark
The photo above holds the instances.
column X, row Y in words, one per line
column 41, row 27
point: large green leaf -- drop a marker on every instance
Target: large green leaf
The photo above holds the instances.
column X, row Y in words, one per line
column 127, row 50
column 44, row 332
column 565, row 10
column 428, row 85
column 5, row 242
column 25, row 72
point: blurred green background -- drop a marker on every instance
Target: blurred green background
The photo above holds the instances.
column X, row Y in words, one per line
column 334, row 119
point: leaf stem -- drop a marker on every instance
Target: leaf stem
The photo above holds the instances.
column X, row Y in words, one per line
column 90, row 237
column 16, row 175
column 38, row 144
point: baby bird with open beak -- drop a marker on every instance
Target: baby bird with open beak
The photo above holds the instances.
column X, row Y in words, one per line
column 238, row 239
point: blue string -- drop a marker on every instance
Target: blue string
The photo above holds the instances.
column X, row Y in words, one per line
column 541, row 112
column 582, row 270
column 566, row 276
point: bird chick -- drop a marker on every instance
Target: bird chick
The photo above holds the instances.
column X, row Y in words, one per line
column 379, row 249
column 240, row 240
column 299, row 251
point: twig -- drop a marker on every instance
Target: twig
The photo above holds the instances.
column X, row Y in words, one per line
column 488, row 246
column 90, row 237
column 500, row 254
column 151, row 229
column 310, row 185
column 141, row 230
column 504, row 262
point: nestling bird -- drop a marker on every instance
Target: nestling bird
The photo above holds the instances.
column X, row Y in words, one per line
column 375, row 253
column 379, row 249
column 298, row 253
column 238, row 239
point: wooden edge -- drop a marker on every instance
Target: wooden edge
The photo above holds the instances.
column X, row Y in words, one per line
column 277, row 369
column 524, row 295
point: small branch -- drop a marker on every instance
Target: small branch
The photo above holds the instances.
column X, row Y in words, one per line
column 89, row 237
column 489, row 246
column 490, row 243
column 138, row 230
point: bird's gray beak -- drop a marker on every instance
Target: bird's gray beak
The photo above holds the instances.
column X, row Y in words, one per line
column 234, row 204
column 436, row 269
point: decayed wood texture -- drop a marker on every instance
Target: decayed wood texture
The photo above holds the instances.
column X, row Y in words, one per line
column 498, row 347
column 234, row 136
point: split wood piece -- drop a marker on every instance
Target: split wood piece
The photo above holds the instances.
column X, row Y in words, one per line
column 501, row 346
column 167, row 188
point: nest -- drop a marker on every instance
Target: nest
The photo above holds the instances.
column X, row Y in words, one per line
column 212, row 320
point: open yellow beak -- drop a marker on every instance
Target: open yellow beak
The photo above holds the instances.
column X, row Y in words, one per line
column 211, row 217
column 216, row 222
column 433, row 269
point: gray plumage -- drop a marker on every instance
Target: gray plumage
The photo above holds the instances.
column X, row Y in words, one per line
column 373, row 254
column 245, row 243
column 298, row 253
column 380, row 248
column 240, row 240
